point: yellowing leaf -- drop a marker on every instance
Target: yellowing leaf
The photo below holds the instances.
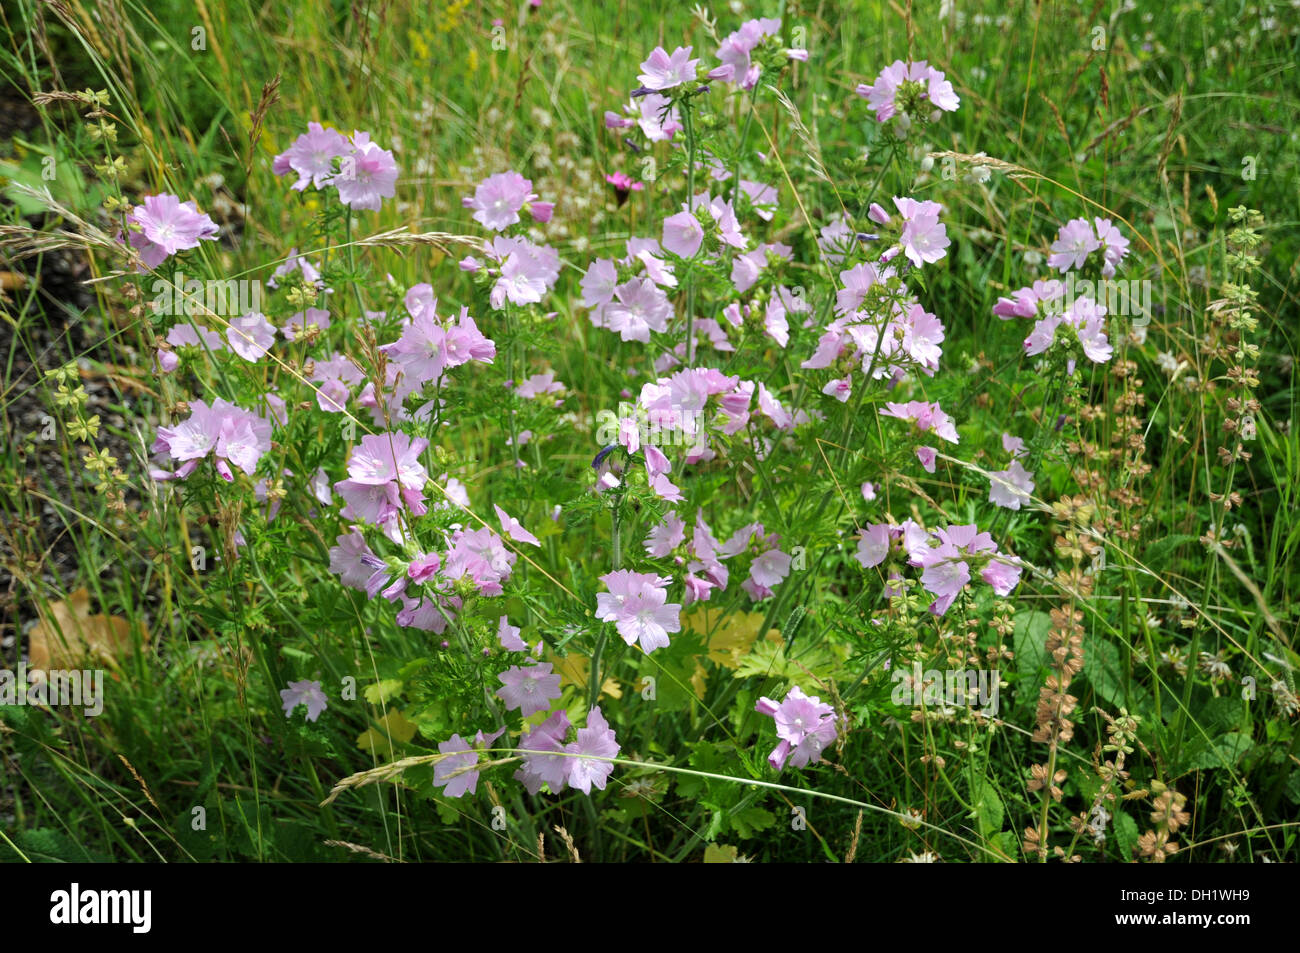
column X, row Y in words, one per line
column 393, row 725
column 384, row 691
column 720, row 854
column 68, row 635
column 574, row 670
column 728, row 640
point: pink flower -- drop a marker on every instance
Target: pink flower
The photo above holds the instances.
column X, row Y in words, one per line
column 683, row 234
column 734, row 52
column 1011, row 487
column 637, row 604
column 595, row 741
column 298, row 323
column 639, row 308
column 665, row 537
column 388, row 457
column 307, row 693
column 453, row 774
column 508, row 636
column 882, row 95
column 385, row 476
column 353, row 561
column 423, row 567
column 527, row 271
column 514, row 529
column 598, row 283
column 543, row 755
column 944, row 576
column 926, row 416
column 770, row 568
column 664, row 71
column 499, row 198
column 924, row 239
column 251, row 336
column 774, row 409
column 1074, row 242
column 1114, row 242
column 805, row 726
column 312, row 156
column 294, row 263
column 367, row 174
column 231, row 434
column 539, row 385
column 1002, row 573
column 873, row 545
column 166, row 226
column 529, row 689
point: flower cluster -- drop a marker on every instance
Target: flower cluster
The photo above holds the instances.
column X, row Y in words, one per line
column 231, row 434
column 805, row 724
column 946, row 558
column 360, row 170
column 164, row 225
column 905, row 93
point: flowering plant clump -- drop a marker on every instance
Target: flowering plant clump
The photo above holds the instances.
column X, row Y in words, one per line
column 509, row 484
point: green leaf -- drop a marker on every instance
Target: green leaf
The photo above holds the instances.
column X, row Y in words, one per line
column 383, row 691
column 748, row 821
column 989, row 809
column 1223, row 752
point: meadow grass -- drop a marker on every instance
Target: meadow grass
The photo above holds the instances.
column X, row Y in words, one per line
column 1162, row 117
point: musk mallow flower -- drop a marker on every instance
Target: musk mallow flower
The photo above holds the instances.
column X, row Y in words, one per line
column 525, row 271
column 543, row 753
column 639, row 307
column 539, row 385
column 295, row 262
column 946, row 567
column 529, row 688
column 348, row 560
column 305, row 692
column 384, row 475
column 596, row 741
column 298, row 324
column 312, row 156
column 251, row 336
column 905, row 88
column 367, row 174
column 1011, row 488
column 734, row 52
column 508, row 636
column 455, row 774
column 683, row 234
column 498, row 200
column 637, row 604
column 164, row 225
column 924, row 239
column 927, row 417
column 1074, row 243
column 805, row 725
column 663, row 70
column 230, row 433
column 665, row 537
column 1115, row 244
column 514, row 529
column 1087, row 319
